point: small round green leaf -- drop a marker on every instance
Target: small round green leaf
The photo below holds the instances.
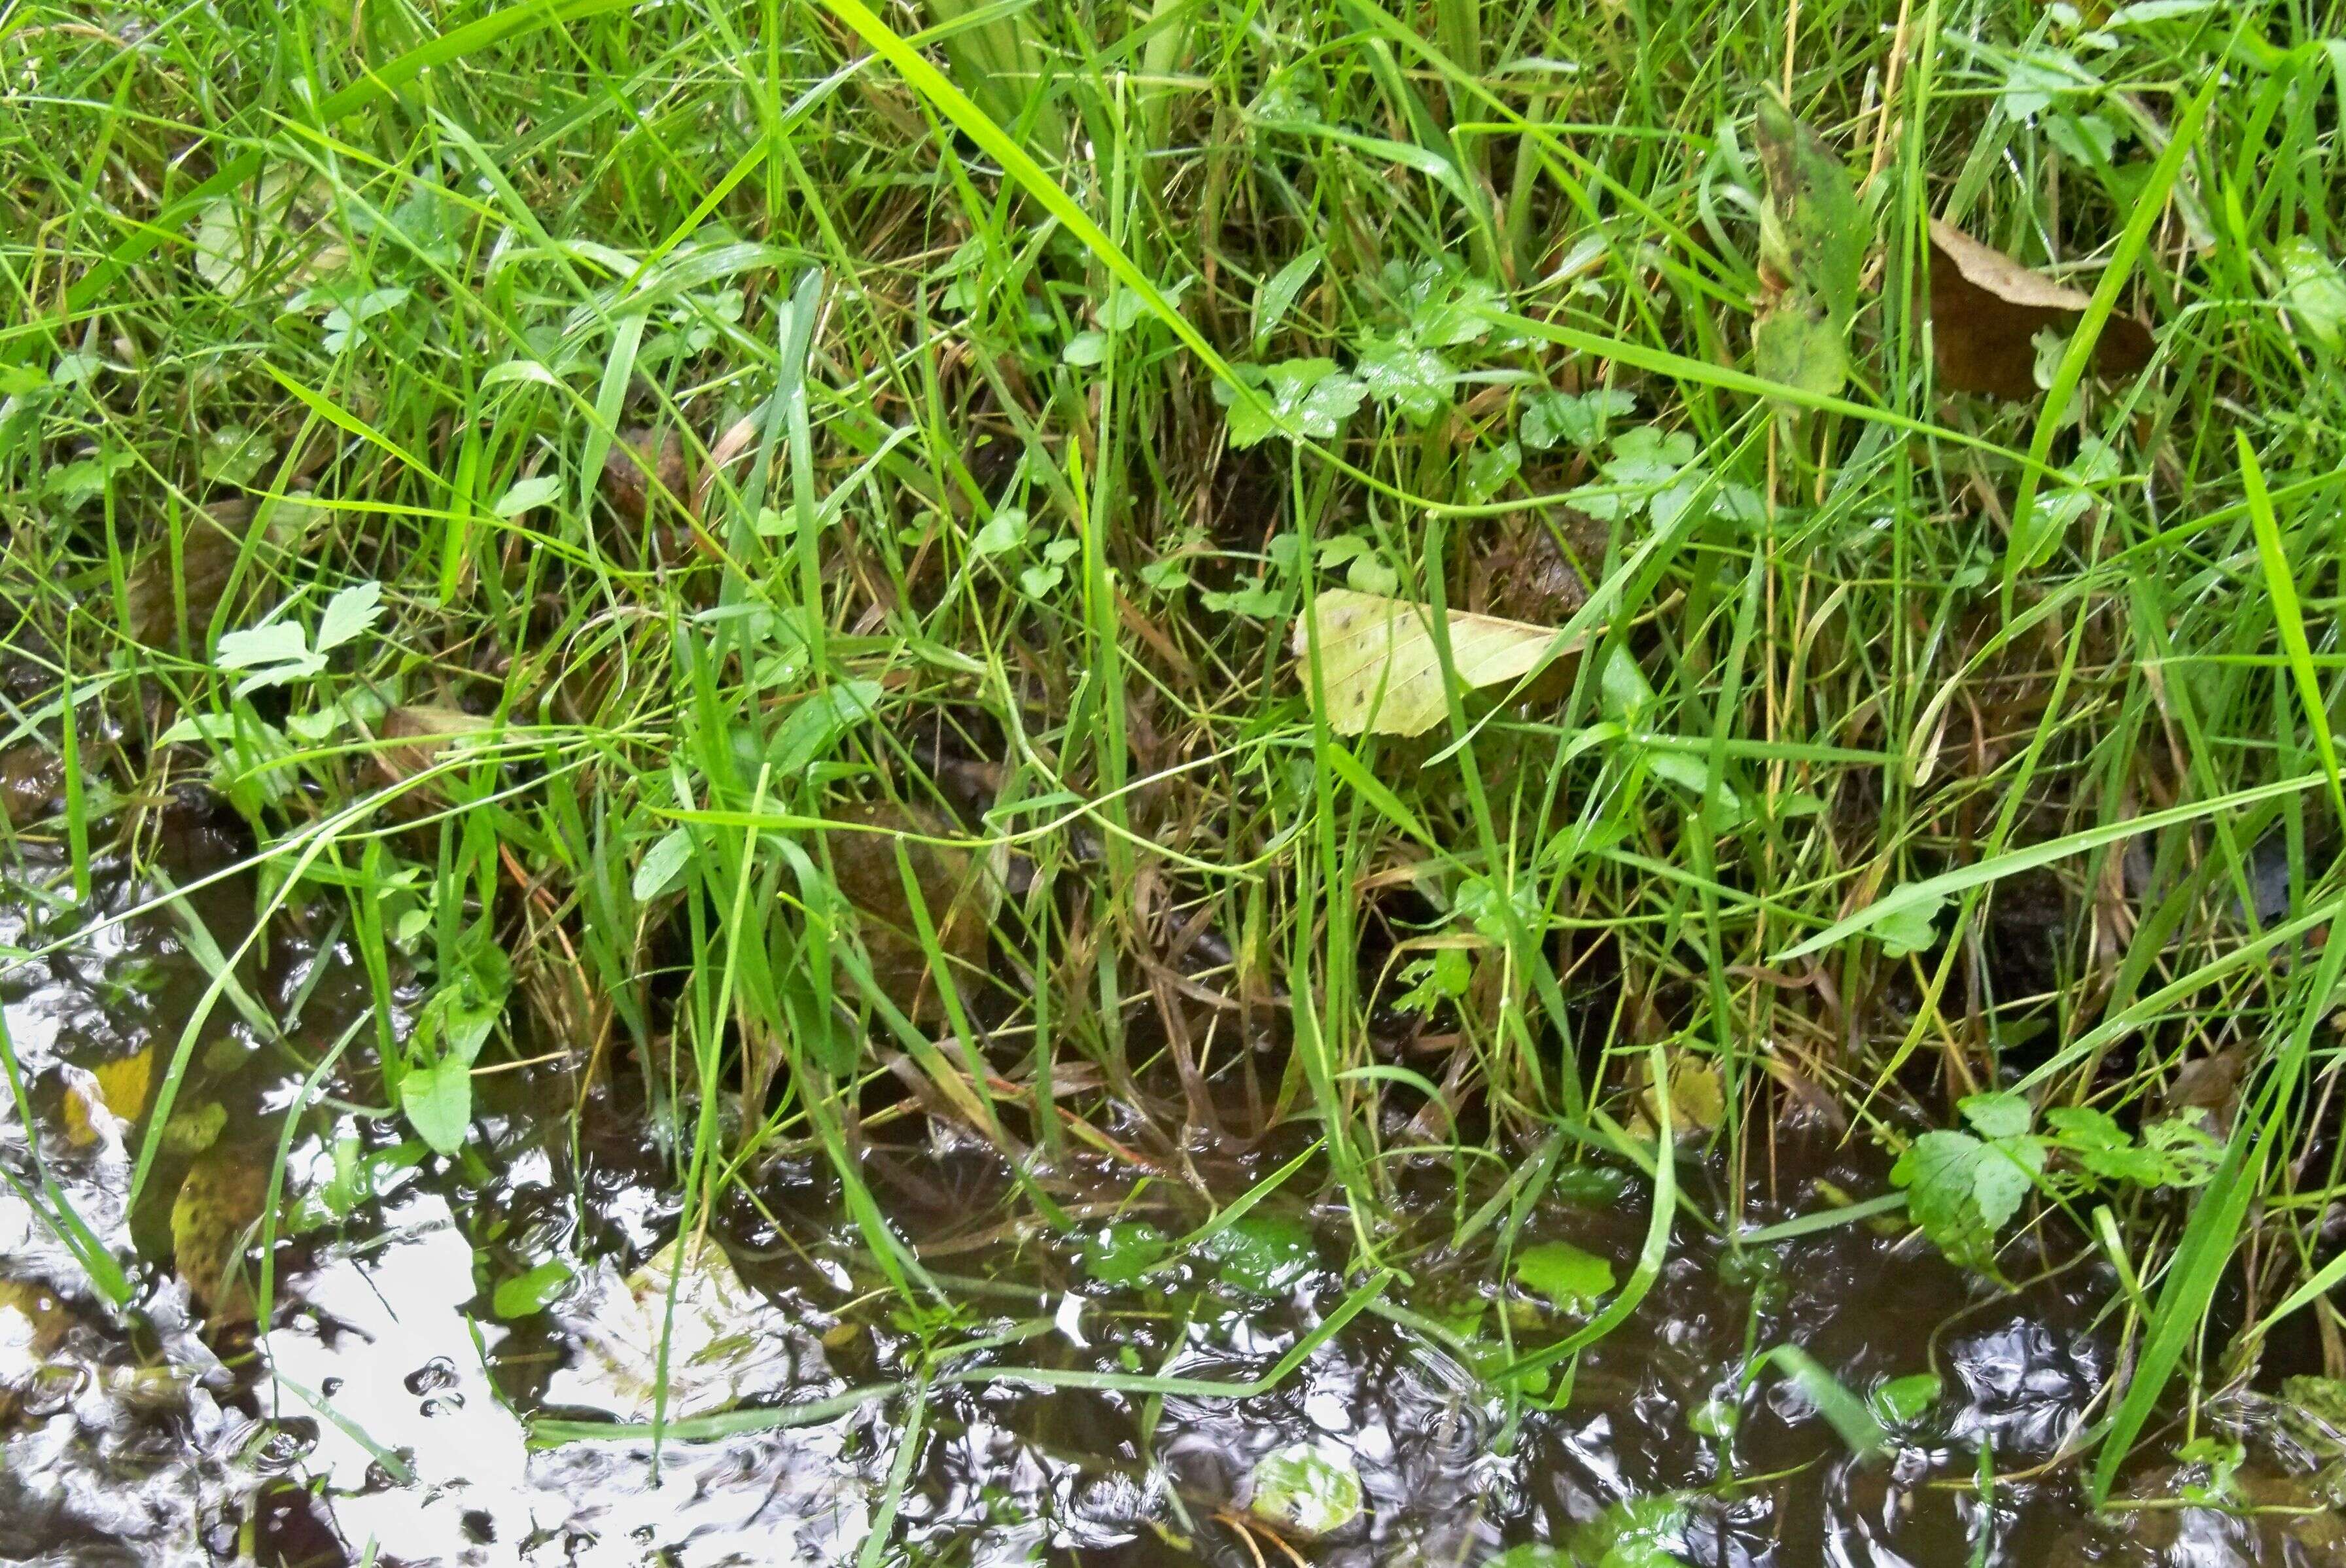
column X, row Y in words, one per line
column 190, row 1131
column 526, row 1293
column 1119, row 1254
column 1571, row 1277
column 1902, row 1401
column 1264, row 1254
column 1714, row 1419
column 1299, row 1491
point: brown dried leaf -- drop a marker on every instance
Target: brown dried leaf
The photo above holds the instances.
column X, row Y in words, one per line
column 1986, row 310
column 734, row 443
column 640, row 466
column 32, row 780
column 33, row 1319
column 2209, row 1083
column 33, row 1322
column 1999, row 274
column 1529, row 576
column 418, row 735
column 413, row 739
column 209, row 543
column 952, row 889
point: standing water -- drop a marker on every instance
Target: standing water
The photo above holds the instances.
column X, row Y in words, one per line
column 462, row 1361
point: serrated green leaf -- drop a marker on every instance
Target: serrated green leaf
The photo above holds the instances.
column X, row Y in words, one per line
column 2085, row 1127
column 1310, row 397
column 1414, row 380
column 1489, row 471
column 84, row 480
column 2177, row 1152
column 348, row 614
column 1646, row 455
column 2006, row 1170
column 1939, row 1171
column 1551, row 419
column 274, row 654
column 1446, row 307
column 1997, row 1115
column 277, row 642
column 235, row 454
column 2186, row 1152
column 1911, row 926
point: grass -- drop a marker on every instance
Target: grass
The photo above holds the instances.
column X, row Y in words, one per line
column 757, row 416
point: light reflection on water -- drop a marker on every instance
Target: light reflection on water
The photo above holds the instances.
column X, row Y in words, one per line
column 132, row 1441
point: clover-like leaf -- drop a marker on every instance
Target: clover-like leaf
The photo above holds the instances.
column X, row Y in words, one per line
column 1311, row 398
column 1300, row 1490
column 1415, row 381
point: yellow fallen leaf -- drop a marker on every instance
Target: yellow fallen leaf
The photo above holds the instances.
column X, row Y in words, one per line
column 1698, row 1105
column 33, row 1321
column 1378, row 672
column 121, row 1084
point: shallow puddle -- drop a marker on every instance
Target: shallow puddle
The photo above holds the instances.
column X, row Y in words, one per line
column 462, row 1356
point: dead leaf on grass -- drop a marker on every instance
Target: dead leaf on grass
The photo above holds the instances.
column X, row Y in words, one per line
column 954, row 888
column 1986, row 310
column 1378, row 671
column 642, row 468
column 31, row 783
column 2209, row 1083
column 164, row 585
column 415, row 738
